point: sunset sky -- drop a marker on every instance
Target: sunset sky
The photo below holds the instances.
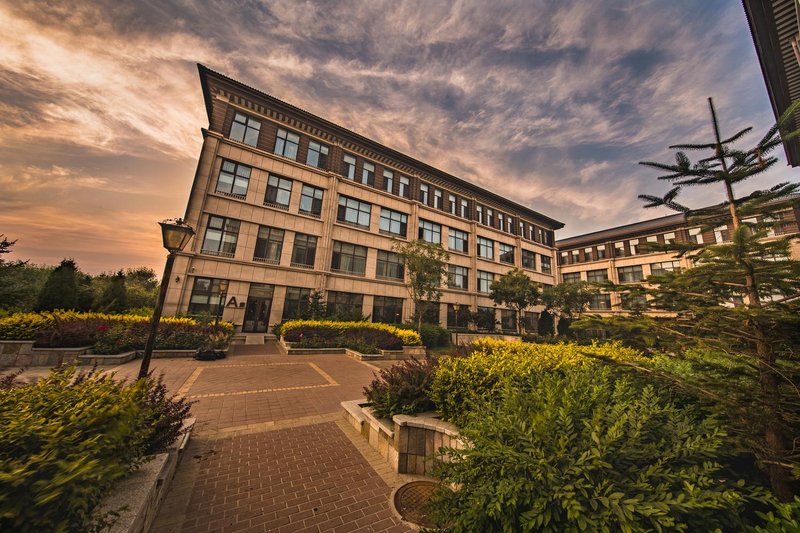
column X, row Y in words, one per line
column 550, row 103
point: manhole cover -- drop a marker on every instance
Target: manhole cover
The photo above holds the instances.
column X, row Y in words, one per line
column 411, row 502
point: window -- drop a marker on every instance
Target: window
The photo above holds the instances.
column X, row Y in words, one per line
column 506, row 253
column 601, row 252
column 563, row 258
column 587, row 254
column 464, row 209
column 389, row 265
column 245, row 129
column 571, row 277
column 233, row 179
column 451, row 204
column 349, row 169
column 457, row 277
column 633, row 302
column 669, row 238
column 485, row 248
column 619, row 249
column 634, row 246
column 659, row 269
column 349, row 258
column 485, row 319
column 479, row 213
column 457, row 319
column 597, row 276
column 311, row 200
column 508, row 319
column 600, row 302
column 546, row 264
column 352, row 211
column 286, row 143
column 345, row 304
column 489, row 218
column 437, row 198
column 388, row 180
column 296, row 302
column 221, row 236
column 368, row 174
column 531, row 232
column 721, row 234
column 652, row 239
column 429, row 312
column 529, row 259
column 279, row 192
column 485, row 280
column 304, row 251
column 500, row 220
column 387, row 310
column 630, row 274
column 423, row 193
column 393, row 223
column 696, row 235
column 430, row 232
column 576, row 256
column 510, row 224
column 530, row 320
column 206, row 296
column 457, row 241
column 269, row 245
column 404, row 186
column 317, row 155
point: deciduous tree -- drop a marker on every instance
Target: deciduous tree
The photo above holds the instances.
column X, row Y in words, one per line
column 426, row 268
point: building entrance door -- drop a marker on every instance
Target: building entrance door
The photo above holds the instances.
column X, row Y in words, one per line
column 259, row 302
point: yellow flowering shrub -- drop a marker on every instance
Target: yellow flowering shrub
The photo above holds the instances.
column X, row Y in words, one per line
column 462, row 383
column 329, row 332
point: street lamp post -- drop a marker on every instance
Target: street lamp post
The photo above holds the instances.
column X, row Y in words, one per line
column 176, row 235
column 223, row 291
column 456, row 309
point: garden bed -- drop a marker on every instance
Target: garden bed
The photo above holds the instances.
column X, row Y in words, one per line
column 292, row 348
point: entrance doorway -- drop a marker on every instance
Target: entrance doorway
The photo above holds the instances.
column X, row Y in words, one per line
column 259, row 302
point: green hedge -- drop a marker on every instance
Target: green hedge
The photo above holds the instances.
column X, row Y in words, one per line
column 354, row 335
column 108, row 333
column 67, row 438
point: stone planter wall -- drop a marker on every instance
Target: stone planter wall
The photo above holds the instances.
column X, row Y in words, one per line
column 466, row 338
column 22, row 353
column 101, row 360
column 157, row 354
column 408, row 443
column 288, row 348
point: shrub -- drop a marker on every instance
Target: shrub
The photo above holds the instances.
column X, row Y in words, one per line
column 432, row 335
column 402, row 389
column 461, row 383
column 579, row 450
column 67, row 438
column 342, row 334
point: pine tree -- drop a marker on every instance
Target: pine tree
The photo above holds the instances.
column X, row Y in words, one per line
column 114, row 298
column 740, row 298
column 60, row 291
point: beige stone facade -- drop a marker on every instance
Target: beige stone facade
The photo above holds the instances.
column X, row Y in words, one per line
column 275, row 145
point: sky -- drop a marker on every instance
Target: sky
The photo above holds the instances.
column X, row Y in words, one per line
column 548, row 103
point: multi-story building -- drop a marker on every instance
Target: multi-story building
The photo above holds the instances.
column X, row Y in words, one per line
column 620, row 255
column 285, row 203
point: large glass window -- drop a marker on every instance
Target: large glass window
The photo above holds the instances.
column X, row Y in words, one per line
column 630, row 274
column 368, row 174
column 508, row 319
column 311, row 200
column 529, row 259
column 458, row 241
column 485, row 248
column 457, row 277
column 317, row 155
column 345, row 304
column 597, row 276
column 387, row 310
column 296, row 302
column 349, row 167
column 206, row 296
column 304, row 251
column 404, row 186
column 349, row 258
column 245, row 129
column 269, row 245
column 485, row 280
column 506, row 253
column 221, row 236
column 458, row 317
column 600, row 302
column 571, row 277
column 286, row 143
column 279, row 192
column 659, row 269
column 545, row 261
column 388, row 180
column 633, row 302
column 233, row 179
column 389, row 265
column 393, row 223
column 430, row 232
column 352, row 211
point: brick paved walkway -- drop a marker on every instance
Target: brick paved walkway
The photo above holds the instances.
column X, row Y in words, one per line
column 270, row 451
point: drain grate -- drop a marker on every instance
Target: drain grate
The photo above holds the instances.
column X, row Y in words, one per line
column 411, row 502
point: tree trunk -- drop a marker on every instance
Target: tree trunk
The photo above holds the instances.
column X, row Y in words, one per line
column 556, row 316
